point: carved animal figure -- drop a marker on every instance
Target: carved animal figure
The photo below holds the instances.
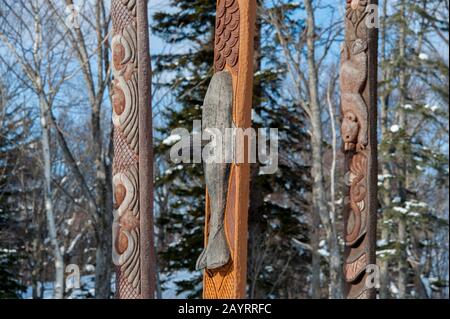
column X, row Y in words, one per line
column 217, row 114
column 353, row 80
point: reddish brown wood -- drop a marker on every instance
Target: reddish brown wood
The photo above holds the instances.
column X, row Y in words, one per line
column 133, row 252
column 358, row 77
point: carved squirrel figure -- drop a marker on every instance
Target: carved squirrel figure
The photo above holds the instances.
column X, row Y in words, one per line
column 353, row 80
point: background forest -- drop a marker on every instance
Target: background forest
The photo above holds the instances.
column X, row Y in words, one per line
column 56, row 150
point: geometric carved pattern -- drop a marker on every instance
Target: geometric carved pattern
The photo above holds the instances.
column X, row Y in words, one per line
column 124, row 290
column 353, row 269
column 219, row 284
column 121, row 15
column 124, row 156
column 126, row 236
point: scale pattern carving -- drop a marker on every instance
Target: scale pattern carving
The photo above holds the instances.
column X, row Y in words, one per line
column 227, row 35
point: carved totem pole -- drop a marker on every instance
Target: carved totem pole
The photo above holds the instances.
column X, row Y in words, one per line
column 358, row 78
column 133, row 253
column 228, row 104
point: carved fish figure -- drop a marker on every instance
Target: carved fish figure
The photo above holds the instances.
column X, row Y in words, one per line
column 353, row 80
column 217, row 114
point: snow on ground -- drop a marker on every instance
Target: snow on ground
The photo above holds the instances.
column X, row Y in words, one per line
column 169, row 284
column 87, row 289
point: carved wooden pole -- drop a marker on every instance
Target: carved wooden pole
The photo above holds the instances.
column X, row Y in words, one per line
column 228, row 104
column 133, row 253
column 358, row 77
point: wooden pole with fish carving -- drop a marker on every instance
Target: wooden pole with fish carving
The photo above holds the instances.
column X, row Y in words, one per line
column 133, row 249
column 228, row 104
column 358, row 78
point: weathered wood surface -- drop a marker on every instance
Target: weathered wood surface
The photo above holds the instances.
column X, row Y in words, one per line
column 217, row 112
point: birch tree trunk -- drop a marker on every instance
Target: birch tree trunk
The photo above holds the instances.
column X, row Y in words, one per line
column 315, row 256
column 45, row 140
column 45, row 116
column 96, row 83
column 385, row 168
column 319, row 201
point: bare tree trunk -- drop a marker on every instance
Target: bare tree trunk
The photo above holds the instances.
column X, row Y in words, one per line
column 104, row 206
column 103, row 181
column 45, row 140
column 103, row 269
column 255, row 234
column 315, row 257
column 402, row 232
column 402, row 266
column 335, row 253
column 100, row 199
column 319, row 202
column 385, row 235
column 255, row 229
column 158, row 287
column 162, row 203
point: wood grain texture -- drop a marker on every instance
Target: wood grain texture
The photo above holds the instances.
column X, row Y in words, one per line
column 217, row 112
column 229, row 281
column 358, row 80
